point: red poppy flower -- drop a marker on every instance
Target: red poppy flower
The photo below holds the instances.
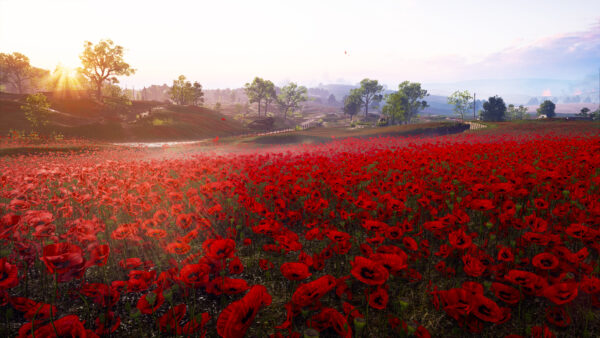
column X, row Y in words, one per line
column 486, row 309
column 8, row 275
column 107, row 323
column 219, row 248
column 235, row 266
column 460, row 240
column 64, row 259
column 378, row 299
column 506, row 293
column 545, row 261
column 368, row 271
column 169, row 322
column 561, row 293
column 67, row 326
column 237, row 317
column 295, row 271
column 99, row 255
column 473, row 266
column 195, row 275
column 150, row 302
column 310, row 292
column 557, row 315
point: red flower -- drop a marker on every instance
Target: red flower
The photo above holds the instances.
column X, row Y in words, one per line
column 486, row 309
column 8, row 275
column 64, row 259
column 473, row 266
column 237, row 317
column 235, row 266
column 295, row 271
column 195, row 275
column 545, row 261
column 219, row 248
column 378, row 299
column 150, row 302
column 310, row 292
column 561, row 293
column 265, row 264
column 169, row 322
column 67, row 326
column 558, row 316
column 368, row 271
column 99, row 255
column 506, row 293
column 107, row 323
column 460, row 240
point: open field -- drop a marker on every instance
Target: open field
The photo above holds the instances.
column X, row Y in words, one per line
column 372, row 233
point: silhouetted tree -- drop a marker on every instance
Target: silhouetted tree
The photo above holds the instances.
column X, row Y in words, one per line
column 494, row 109
column 17, row 72
column 547, row 108
column 103, row 62
column 352, row 103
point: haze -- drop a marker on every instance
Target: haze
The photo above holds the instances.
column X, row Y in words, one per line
column 226, row 43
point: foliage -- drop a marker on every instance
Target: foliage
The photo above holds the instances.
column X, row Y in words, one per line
column 260, row 90
column 290, row 98
column 352, row 103
column 584, row 112
column 18, row 74
column 461, row 100
column 183, row 92
column 370, row 92
column 404, row 105
column 37, row 110
column 102, row 63
column 516, row 113
column 494, row 109
column 331, row 100
column 115, row 99
column 547, row 108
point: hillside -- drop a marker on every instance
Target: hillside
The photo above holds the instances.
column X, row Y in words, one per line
column 142, row 121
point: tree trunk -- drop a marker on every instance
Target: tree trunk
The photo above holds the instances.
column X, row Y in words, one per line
column 366, row 107
column 99, row 90
column 258, row 108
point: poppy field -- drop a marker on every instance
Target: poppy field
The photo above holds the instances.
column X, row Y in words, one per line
column 494, row 234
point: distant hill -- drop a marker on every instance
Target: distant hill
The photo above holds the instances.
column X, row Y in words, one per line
column 142, row 121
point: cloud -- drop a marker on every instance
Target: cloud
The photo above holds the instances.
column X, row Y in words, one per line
column 565, row 56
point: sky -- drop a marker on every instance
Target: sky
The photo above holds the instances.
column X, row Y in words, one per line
column 224, row 44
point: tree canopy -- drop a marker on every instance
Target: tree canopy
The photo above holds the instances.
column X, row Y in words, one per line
column 352, row 103
column 36, row 109
column 260, row 90
column 17, row 74
column 494, row 109
column 461, row 100
column 103, row 62
column 183, row 92
column 405, row 104
column 290, row 97
column 516, row 113
column 370, row 92
column 547, row 108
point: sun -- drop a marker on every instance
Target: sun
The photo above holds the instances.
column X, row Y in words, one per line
column 65, row 81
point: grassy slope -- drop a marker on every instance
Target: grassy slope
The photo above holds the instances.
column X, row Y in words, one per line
column 87, row 119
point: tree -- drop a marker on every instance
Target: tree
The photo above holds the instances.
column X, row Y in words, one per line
column 103, row 62
column 290, row 98
column 218, row 107
column 270, row 94
column 394, row 108
column 516, row 113
column 547, row 108
column 370, row 92
column 36, row 109
column 17, row 72
column 352, row 103
column 406, row 103
column 183, row 92
column 256, row 91
column 494, row 109
column 584, row 112
column 331, row 100
column 462, row 102
column 115, row 98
